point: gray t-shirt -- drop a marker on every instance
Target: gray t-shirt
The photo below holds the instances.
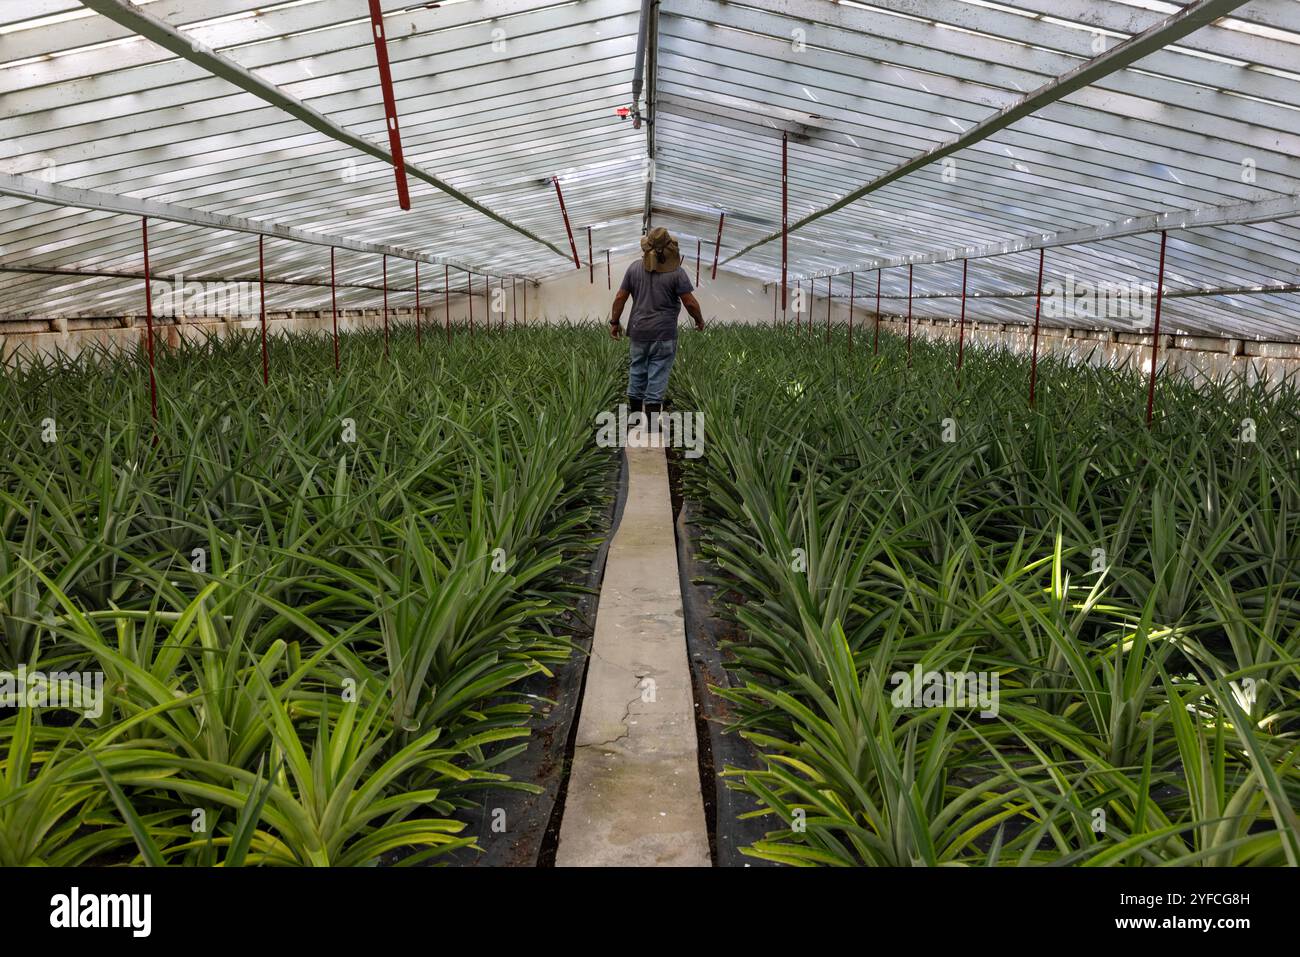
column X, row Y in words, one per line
column 656, row 302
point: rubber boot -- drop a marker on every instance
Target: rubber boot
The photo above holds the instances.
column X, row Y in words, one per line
column 653, row 418
column 635, row 414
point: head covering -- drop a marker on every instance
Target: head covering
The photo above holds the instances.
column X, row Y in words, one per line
column 660, row 252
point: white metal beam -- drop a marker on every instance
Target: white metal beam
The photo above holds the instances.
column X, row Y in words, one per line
column 1241, row 214
column 36, row 190
column 158, row 31
column 1169, row 30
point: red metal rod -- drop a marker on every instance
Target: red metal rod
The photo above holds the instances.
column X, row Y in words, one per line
column 875, row 341
column 961, row 329
column 418, row 344
column 591, row 260
column 609, row 272
column 717, row 246
column 909, row 315
column 785, row 213
column 385, row 258
column 446, row 296
column 853, row 278
column 334, row 309
column 1038, row 308
column 148, row 322
column 390, row 103
column 261, row 292
column 567, row 228
column 829, row 280
column 1155, row 335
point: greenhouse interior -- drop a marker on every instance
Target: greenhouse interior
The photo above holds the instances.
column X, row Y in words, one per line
column 650, row 434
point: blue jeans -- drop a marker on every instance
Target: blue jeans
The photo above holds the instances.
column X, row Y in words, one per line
column 647, row 378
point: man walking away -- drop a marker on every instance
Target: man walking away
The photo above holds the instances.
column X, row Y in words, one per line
column 659, row 287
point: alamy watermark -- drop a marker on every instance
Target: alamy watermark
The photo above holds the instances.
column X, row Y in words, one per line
column 75, row 909
column 1083, row 300
column 68, row 690
column 626, row 429
column 181, row 298
column 975, row 690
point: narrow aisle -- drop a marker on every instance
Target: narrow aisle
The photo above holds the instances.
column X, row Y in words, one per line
column 634, row 788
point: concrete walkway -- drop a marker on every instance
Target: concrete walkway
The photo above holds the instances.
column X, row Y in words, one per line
column 634, row 789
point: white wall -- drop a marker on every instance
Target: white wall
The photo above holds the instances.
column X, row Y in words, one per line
column 729, row 298
column 734, row 298
column 572, row 296
column 1193, row 356
column 25, row 338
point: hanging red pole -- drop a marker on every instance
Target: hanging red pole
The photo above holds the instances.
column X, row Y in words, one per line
column 875, row 340
column 591, row 260
column 609, row 272
column 261, row 293
column 1155, row 335
column 390, row 103
column 829, row 280
column 961, row 328
column 385, row 259
column 418, row 343
column 853, row 278
column 717, row 246
column 148, row 323
column 446, row 296
column 334, row 309
column 909, row 315
column 785, row 213
column 567, row 228
column 1038, row 308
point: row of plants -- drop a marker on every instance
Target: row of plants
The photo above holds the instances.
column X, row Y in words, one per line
column 307, row 603
column 1129, row 595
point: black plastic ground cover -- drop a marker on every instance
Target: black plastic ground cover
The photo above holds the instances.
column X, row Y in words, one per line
column 545, row 762
column 704, row 634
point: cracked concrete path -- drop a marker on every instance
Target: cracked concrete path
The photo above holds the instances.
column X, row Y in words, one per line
column 634, row 788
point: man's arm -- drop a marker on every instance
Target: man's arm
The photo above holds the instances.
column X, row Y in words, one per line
column 693, row 307
column 620, row 300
